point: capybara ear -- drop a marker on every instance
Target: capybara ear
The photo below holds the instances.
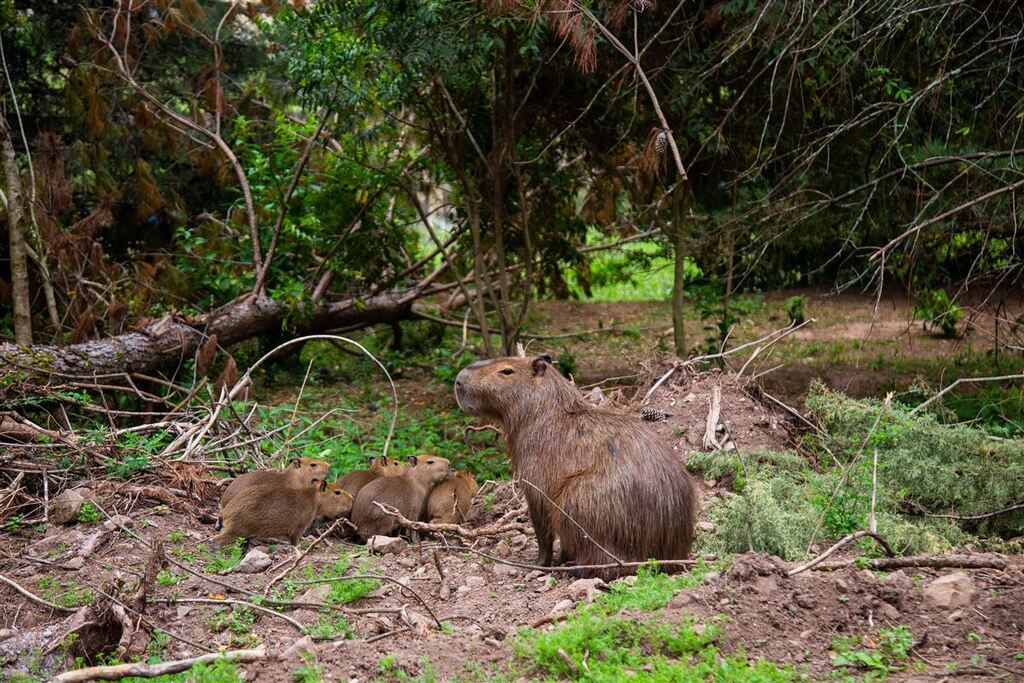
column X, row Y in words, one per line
column 294, row 462
column 412, row 461
column 546, row 356
column 373, row 457
column 323, row 485
column 540, row 365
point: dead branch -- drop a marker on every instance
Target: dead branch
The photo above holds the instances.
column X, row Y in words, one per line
column 118, row 671
column 964, row 380
column 970, row 518
column 298, row 558
column 925, row 561
column 710, row 441
column 482, row 532
column 846, row 540
column 34, row 597
column 232, row 601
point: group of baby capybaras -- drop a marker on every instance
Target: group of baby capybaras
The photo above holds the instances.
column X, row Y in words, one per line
column 282, row 504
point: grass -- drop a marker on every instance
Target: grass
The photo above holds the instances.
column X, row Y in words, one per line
column 217, row 671
column 884, row 654
column 64, row 593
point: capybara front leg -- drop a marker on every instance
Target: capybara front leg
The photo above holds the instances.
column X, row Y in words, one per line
column 545, row 539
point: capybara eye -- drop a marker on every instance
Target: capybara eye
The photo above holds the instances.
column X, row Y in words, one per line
column 506, row 371
column 430, row 462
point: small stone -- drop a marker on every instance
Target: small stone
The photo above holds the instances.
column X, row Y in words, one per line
column 407, row 562
column 419, row 623
column 533, row 575
column 680, row 600
column 6, row 633
column 504, row 570
column 950, row 591
column 445, row 592
column 254, row 562
column 75, row 563
column 463, row 590
column 475, row 581
column 596, row 396
column 183, row 611
column 519, row 541
column 474, row 568
column 804, row 600
column 562, row 606
column 888, row 611
column 711, row 576
column 765, row 585
column 299, row 648
column 118, row 521
column 706, row 527
column 586, row 589
column 711, row 483
column 502, row 549
column 548, row 583
column 64, row 508
column 842, row 585
column 92, row 542
column 316, row 593
column 805, row 634
column 955, row 615
column 386, row 544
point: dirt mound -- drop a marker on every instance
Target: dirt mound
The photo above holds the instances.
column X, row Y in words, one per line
column 685, row 397
column 814, row 616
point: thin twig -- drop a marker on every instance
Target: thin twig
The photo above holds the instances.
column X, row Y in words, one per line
column 482, row 532
column 963, row 380
column 839, row 544
column 298, row 558
column 232, row 601
column 34, row 597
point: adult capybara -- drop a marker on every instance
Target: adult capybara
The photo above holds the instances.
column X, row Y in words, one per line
column 592, row 476
column 407, row 493
column 450, row 500
column 270, row 511
column 380, row 466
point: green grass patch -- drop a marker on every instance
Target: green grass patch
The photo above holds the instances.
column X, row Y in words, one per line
column 217, row 671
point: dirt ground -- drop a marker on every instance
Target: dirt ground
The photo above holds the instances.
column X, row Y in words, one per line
column 482, row 600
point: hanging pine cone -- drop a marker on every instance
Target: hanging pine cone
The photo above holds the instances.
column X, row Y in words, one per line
column 661, row 143
column 652, row 415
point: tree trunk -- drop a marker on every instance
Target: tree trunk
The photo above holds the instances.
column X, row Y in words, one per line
column 678, row 236
column 19, row 250
column 171, row 341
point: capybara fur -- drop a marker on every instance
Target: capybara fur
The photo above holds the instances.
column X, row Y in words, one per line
column 593, row 477
column 380, row 466
column 450, row 500
column 271, row 511
column 408, row 494
column 300, row 472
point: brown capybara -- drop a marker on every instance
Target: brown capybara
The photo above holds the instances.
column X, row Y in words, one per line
column 408, row 494
column 380, row 466
column 577, row 462
column 300, row 472
column 272, row 511
column 450, row 500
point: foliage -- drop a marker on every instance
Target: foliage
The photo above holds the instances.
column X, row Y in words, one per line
column 88, row 513
column 935, row 309
column 226, row 558
column 886, row 653
column 923, row 466
column 64, row 593
column 238, row 620
column 221, row 670
column 795, row 307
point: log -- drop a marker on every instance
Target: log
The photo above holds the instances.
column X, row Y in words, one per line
column 173, row 340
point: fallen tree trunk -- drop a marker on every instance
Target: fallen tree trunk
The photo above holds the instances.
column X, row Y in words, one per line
column 172, row 340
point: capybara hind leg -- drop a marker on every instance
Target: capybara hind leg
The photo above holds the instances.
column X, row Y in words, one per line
column 545, row 542
column 224, row 539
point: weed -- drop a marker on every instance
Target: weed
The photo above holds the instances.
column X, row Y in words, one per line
column 238, row 620
column 795, row 307
column 176, row 536
column 14, row 524
column 65, row 594
column 330, row 625
column 390, row 670
column 217, row 671
column 89, row 513
column 885, row 654
column 226, row 559
column 167, row 577
column 936, row 310
column 309, row 672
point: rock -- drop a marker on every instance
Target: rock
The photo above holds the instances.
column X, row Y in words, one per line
column 888, row 611
column 419, row 623
column 805, row 600
column 504, row 571
column 75, row 563
column 711, row 576
column 548, row 582
column 407, row 562
column 502, row 549
column 386, row 544
column 950, row 591
column 463, row 590
column 681, row 599
column 706, row 527
column 475, row 581
column 955, row 615
column 118, row 521
column 64, row 508
column 6, row 633
column 183, row 611
column 765, row 585
column 533, row 575
column 298, row 649
column 316, row 593
column 563, row 606
column 596, row 396
column 474, row 568
column 519, row 541
column 445, row 591
column 587, row 589
column 254, row 562
column 92, row 542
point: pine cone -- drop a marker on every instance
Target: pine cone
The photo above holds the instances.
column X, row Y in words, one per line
column 652, row 415
column 661, row 143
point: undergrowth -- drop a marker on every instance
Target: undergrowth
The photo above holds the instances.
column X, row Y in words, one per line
column 924, row 466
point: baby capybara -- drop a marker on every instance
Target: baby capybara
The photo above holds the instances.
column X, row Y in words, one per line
column 407, row 493
column 380, row 466
column 269, row 511
column 450, row 500
column 299, row 473
column 605, row 470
